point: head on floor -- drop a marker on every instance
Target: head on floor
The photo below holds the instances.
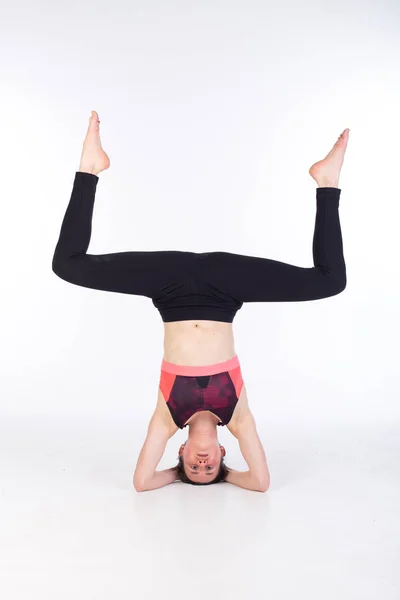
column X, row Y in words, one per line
column 201, row 464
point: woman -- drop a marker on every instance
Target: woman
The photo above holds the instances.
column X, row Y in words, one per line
column 198, row 295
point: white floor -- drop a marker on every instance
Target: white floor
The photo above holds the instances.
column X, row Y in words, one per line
column 73, row 527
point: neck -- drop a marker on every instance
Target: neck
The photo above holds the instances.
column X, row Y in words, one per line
column 203, row 426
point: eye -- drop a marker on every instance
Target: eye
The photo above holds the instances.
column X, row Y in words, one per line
column 194, row 467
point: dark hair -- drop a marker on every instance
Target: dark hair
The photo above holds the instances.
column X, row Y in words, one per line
column 221, row 476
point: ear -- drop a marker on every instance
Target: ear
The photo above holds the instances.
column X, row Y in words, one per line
column 181, row 450
column 223, row 451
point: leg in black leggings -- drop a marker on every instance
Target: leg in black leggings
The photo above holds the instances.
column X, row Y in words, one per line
column 254, row 279
column 248, row 278
column 139, row 273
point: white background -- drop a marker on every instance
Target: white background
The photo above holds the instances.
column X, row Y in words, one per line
column 212, row 113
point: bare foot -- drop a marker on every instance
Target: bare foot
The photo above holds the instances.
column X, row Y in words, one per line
column 93, row 159
column 326, row 172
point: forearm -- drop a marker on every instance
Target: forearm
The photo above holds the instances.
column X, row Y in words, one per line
column 159, row 479
column 243, row 479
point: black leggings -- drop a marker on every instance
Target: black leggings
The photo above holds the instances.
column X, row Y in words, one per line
column 248, row 278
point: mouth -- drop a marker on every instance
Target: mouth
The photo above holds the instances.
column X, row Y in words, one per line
column 202, row 455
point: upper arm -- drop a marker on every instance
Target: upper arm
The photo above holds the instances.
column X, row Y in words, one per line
column 158, row 434
column 252, row 448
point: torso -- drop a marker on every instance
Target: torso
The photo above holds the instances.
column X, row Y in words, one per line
column 199, row 343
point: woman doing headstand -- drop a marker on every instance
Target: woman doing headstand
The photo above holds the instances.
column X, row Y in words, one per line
column 197, row 296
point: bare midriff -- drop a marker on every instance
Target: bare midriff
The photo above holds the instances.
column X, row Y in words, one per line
column 198, row 343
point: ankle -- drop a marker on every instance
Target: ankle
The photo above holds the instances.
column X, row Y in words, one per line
column 328, row 183
column 92, row 171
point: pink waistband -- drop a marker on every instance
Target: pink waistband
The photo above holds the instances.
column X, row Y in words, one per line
column 194, row 371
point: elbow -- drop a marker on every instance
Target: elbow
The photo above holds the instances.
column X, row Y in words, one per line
column 138, row 487
column 265, row 483
column 138, row 484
